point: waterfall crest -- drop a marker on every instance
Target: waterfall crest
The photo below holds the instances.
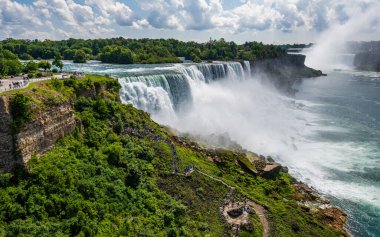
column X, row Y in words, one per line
column 170, row 89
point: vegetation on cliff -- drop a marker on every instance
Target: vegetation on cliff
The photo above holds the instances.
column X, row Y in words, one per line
column 113, row 177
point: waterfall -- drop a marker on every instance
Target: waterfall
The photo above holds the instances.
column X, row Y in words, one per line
column 170, row 90
column 247, row 69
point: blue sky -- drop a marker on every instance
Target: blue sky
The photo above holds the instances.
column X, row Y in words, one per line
column 270, row 21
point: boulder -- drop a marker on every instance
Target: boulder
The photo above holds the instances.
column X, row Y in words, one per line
column 271, row 170
column 335, row 218
column 284, row 169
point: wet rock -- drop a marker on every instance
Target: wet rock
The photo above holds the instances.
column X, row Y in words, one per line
column 271, row 169
column 335, row 218
column 259, row 164
column 270, row 159
column 284, row 169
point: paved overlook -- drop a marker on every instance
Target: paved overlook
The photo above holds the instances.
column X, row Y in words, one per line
column 21, row 82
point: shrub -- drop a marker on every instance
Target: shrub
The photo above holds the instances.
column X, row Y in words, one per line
column 31, row 75
column 44, row 65
column 56, row 83
column 21, row 110
column 202, row 226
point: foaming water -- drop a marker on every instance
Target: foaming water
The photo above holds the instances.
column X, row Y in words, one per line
column 347, row 154
column 327, row 135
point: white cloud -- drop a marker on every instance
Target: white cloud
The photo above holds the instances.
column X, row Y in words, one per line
column 113, row 10
column 92, row 18
column 141, row 24
column 250, row 15
column 14, row 13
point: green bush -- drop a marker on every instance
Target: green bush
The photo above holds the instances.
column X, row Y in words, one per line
column 56, row 83
column 31, row 75
column 20, row 110
column 45, row 65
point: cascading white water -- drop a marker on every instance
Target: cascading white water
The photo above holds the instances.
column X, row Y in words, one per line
column 247, row 69
column 172, row 89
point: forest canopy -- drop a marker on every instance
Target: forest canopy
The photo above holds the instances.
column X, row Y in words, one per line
column 127, row 51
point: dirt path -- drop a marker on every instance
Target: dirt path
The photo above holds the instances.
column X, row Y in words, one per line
column 244, row 217
column 260, row 212
column 216, row 179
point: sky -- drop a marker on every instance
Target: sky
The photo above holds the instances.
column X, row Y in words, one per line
column 269, row 21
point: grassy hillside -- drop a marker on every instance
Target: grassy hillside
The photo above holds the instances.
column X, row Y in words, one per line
column 113, row 177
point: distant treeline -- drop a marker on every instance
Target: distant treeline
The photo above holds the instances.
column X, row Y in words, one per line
column 128, row 51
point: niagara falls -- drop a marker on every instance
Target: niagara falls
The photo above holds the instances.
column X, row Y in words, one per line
column 190, row 118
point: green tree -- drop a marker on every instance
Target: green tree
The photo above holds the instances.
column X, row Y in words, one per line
column 58, row 61
column 30, row 66
column 80, row 56
column 21, row 110
column 26, row 56
column 10, row 67
column 117, row 54
column 44, row 65
column 68, row 54
column 6, row 54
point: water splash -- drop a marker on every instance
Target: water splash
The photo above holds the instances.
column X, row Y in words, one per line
column 328, row 52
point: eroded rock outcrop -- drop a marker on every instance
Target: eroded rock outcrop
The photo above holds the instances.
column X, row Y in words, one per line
column 7, row 159
column 284, row 71
column 39, row 135
column 311, row 200
column 36, row 136
column 269, row 169
column 335, row 218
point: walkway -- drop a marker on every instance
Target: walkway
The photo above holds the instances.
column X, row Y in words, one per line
column 19, row 82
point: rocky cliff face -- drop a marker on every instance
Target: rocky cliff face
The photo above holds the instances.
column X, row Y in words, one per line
column 36, row 136
column 7, row 156
column 284, row 71
column 367, row 61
